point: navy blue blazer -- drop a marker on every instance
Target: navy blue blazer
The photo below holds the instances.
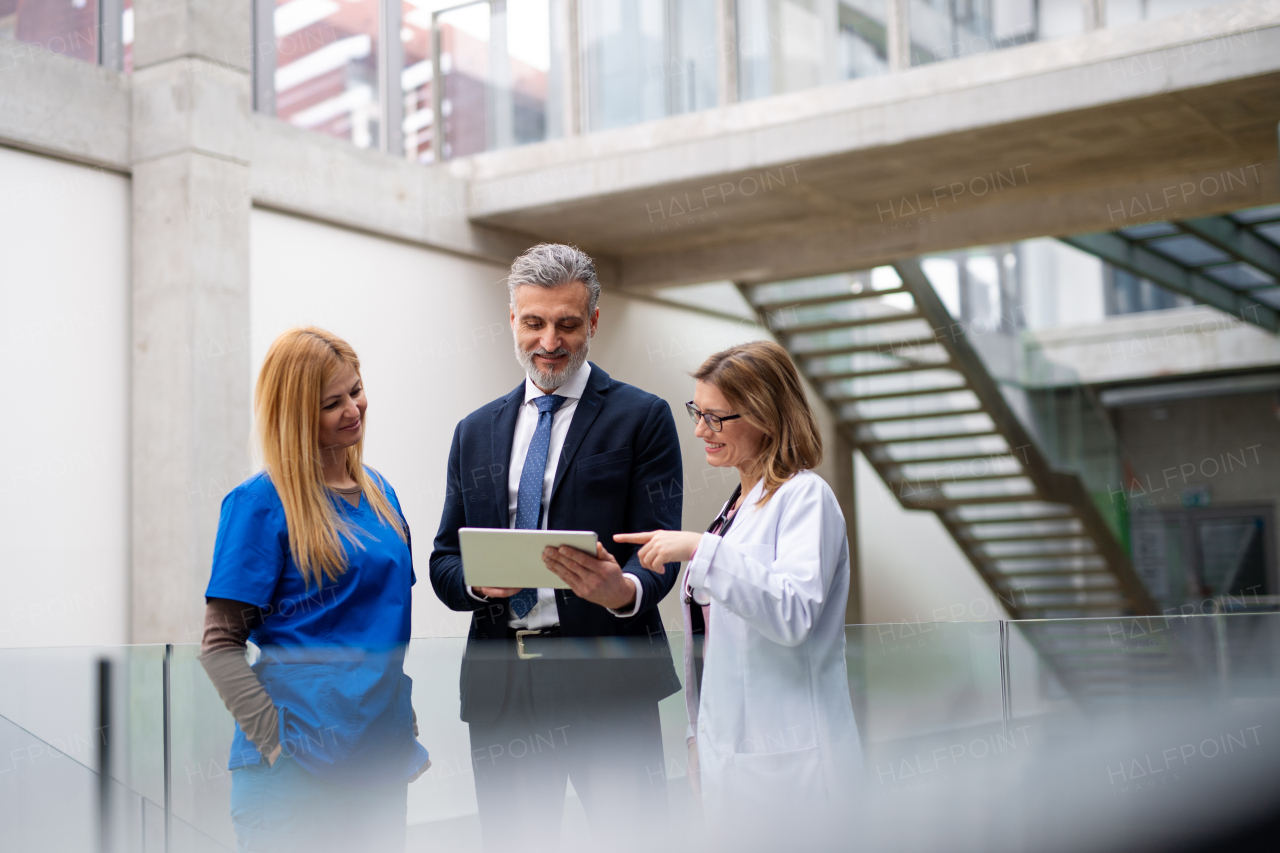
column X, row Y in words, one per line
column 619, row 472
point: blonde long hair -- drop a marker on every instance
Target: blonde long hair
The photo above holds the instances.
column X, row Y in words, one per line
column 760, row 382
column 286, row 403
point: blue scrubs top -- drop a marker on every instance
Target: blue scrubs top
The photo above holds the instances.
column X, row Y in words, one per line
column 332, row 657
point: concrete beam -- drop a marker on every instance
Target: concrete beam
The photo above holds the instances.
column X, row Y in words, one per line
column 802, row 246
column 53, row 105
column 305, row 173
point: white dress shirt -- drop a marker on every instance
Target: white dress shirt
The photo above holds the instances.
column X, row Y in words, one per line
column 545, row 614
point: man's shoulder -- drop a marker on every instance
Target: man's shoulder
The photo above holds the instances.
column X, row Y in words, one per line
column 486, row 413
column 628, row 395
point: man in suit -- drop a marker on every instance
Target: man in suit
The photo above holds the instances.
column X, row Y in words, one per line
column 569, row 449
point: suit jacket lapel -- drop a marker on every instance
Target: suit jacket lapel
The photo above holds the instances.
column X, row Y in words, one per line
column 583, row 417
column 504, row 430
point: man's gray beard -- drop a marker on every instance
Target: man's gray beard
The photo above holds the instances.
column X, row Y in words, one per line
column 551, row 381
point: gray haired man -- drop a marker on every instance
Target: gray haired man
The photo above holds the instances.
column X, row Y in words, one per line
column 575, row 450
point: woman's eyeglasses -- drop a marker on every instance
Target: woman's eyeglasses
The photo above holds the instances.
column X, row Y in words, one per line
column 715, row 423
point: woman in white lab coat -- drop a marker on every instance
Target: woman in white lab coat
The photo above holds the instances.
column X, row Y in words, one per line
column 771, row 723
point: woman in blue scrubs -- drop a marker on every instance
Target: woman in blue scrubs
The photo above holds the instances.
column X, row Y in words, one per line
column 313, row 565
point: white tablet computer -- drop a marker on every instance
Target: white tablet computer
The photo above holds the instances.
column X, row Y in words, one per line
column 513, row 558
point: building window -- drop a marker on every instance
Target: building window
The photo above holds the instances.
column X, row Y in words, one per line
column 64, row 27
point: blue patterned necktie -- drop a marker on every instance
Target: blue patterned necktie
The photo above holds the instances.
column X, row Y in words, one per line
column 529, row 501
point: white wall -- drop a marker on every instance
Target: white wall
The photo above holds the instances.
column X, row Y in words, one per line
column 64, row 343
column 912, row 571
column 1063, row 284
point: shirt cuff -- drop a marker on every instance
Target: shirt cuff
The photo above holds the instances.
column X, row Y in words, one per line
column 696, row 577
column 634, row 608
column 476, row 597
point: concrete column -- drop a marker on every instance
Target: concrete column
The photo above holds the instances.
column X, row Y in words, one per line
column 191, row 373
column 846, row 494
column 898, row 34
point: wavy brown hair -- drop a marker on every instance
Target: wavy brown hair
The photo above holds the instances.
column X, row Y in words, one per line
column 299, row 364
column 761, row 383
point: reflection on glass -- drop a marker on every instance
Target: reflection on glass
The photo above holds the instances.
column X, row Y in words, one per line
column 415, row 81
column 646, row 59
column 326, row 67
column 126, row 37
column 495, row 61
column 64, row 27
column 863, row 46
column 942, row 29
column 789, row 45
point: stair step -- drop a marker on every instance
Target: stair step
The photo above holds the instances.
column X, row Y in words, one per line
column 1041, row 511
column 893, row 395
column 1061, row 562
column 1088, row 548
column 1026, row 537
column 950, row 413
column 938, row 482
column 885, row 347
column 851, row 323
column 935, row 460
column 1086, row 608
column 950, row 503
column 882, row 371
column 1109, row 598
column 942, row 436
column 1053, row 574
column 825, row 300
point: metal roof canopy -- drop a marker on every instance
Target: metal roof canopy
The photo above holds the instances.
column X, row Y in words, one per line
column 1231, row 262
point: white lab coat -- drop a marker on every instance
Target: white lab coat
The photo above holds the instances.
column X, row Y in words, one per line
column 774, row 723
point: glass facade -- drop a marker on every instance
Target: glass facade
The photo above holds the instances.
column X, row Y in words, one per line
column 326, row 73
column 495, row 69
column 790, row 45
column 646, row 59
column 417, row 129
column 63, row 27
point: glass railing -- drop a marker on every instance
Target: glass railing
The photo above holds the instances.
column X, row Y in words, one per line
column 933, row 702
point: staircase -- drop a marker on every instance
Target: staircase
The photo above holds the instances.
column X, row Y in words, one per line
column 909, row 391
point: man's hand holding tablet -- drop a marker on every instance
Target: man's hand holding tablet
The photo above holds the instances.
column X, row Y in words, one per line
column 597, row 579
